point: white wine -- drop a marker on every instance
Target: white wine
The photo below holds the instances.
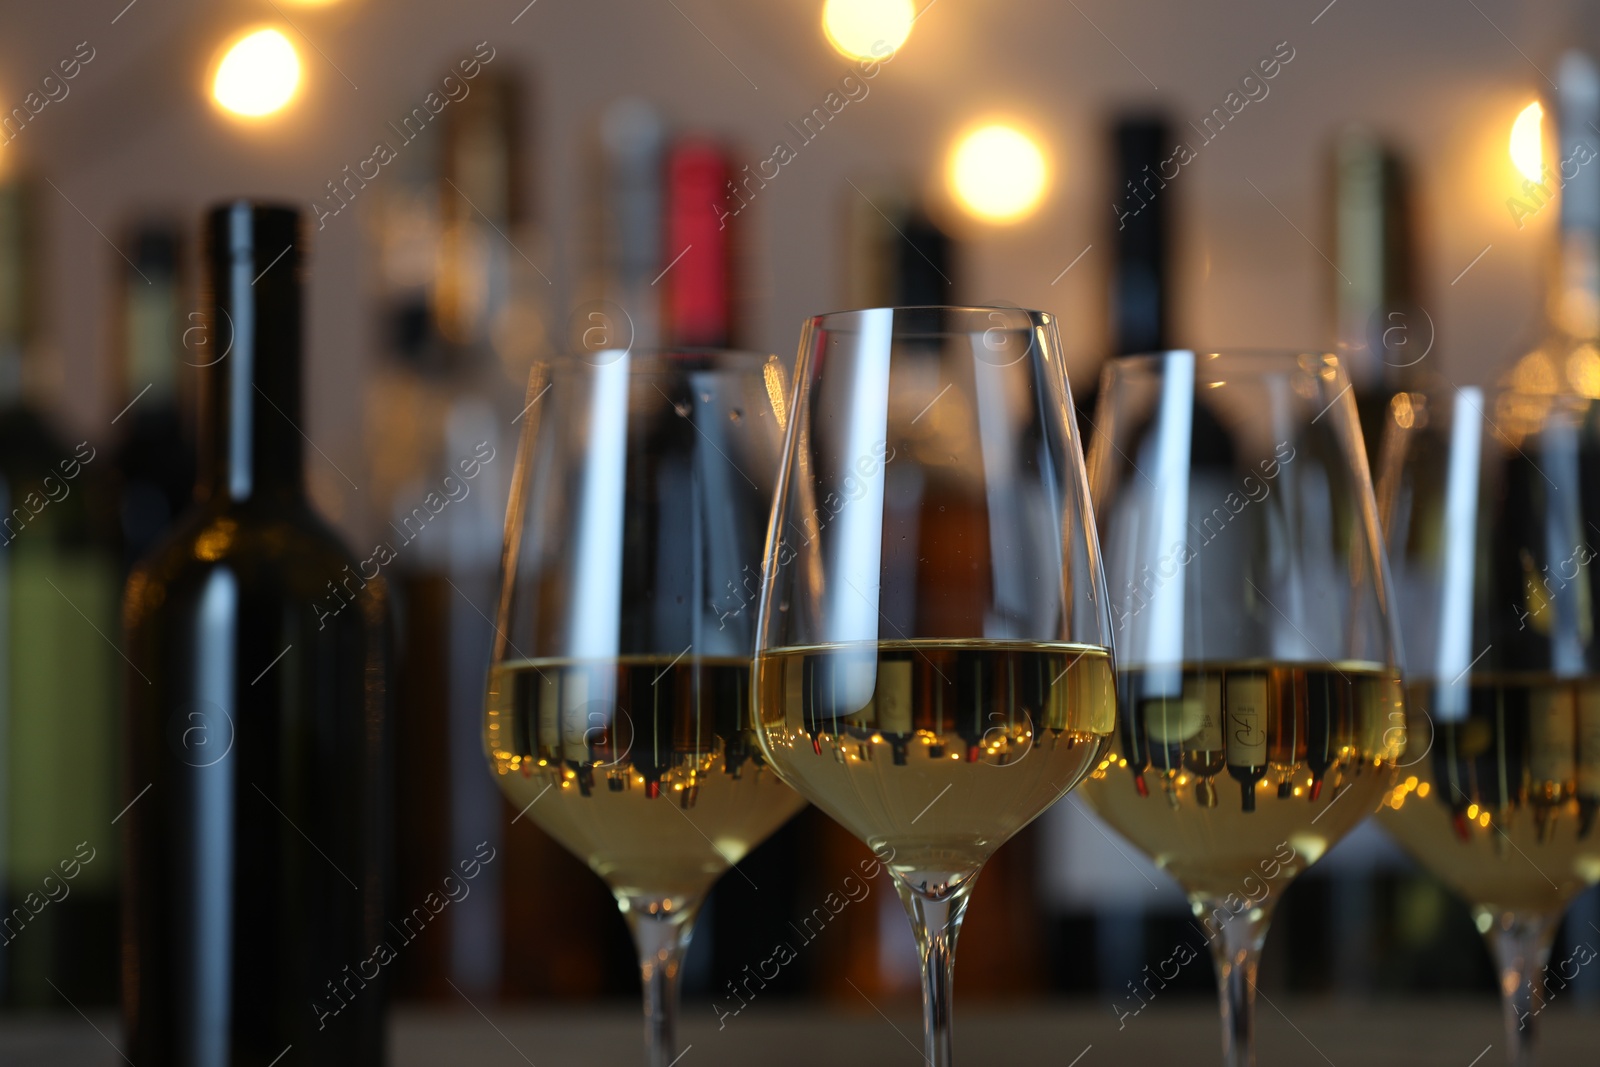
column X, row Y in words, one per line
column 935, row 751
column 1310, row 746
column 1501, row 805
column 644, row 766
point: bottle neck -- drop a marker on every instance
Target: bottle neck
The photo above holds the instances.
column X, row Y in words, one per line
column 250, row 392
column 151, row 333
column 16, row 301
column 1574, row 300
column 1141, row 281
column 150, row 337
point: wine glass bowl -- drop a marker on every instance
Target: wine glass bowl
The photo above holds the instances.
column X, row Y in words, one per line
column 933, row 665
column 618, row 712
column 1260, row 709
column 1490, row 514
column 877, row 734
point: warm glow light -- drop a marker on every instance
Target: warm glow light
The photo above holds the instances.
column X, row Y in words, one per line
column 868, row 29
column 998, row 174
column 258, row 75
column 1527, row 142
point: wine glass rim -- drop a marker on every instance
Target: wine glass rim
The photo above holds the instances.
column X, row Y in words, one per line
column 659, row 356
column 1039, row 318
column 1211, row 365
column 1232, row 355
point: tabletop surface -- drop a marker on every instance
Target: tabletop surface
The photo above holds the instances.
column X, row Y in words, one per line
column 1448, row 1033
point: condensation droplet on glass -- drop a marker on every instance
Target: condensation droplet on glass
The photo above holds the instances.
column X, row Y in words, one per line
column 735, row 415
column 705, row 398
column 682, row 408
column 783, row 605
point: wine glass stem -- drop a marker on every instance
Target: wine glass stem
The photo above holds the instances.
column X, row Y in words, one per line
column 1520, row 943
column 936, row 915
column 661, row 936
column 1236, row 940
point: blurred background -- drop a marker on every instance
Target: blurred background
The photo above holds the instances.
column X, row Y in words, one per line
column 485, row 183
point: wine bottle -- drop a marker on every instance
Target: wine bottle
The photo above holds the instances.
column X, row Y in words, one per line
column 1588, row 757
column 894, row 706
column 1380, row 334
column 698, row 275
column 896, row 254
column 1141, row 290
column 1245, row 704
column 1286, row 738
column 1552, row 754
column 1169, row 723
column 1325, row 713
column 58, row 676
column 628, row 231
column 155, row 457
column 256, row 783
column 1558, row 605
column 446, row 399
column 1205, row 754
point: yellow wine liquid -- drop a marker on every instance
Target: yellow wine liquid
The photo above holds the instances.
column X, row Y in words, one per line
column 1501, row 805
column 934, row 753
column 1217, row 767
column 646, row 767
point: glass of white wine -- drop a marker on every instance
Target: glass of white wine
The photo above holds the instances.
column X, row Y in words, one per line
column 1260, row 699
column 1490, row 505
column 618, row 711
column 933, row 666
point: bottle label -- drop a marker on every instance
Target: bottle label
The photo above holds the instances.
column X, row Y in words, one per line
column 1552, row 734
column 1172, row 720
column 1588, row 739
column 1205, row 695
column 1246, row 718
column 62, row 689
column 893, row 696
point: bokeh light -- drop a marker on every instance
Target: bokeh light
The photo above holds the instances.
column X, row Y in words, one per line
column 1527, row 142
column 855, row 27
column 258, row 75
column 998, row 173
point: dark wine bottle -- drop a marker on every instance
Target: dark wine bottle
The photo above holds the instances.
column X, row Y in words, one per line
column 256, row 844
column 58, row 586
column 155, row 458
column 1326, row 710
column 1245, row 704
column 1141, row 290
column 1381, row 335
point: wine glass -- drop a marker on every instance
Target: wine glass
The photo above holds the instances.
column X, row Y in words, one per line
column 1259, row 694
column 932, row 665
column 1490, row 506
column 618, row 712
